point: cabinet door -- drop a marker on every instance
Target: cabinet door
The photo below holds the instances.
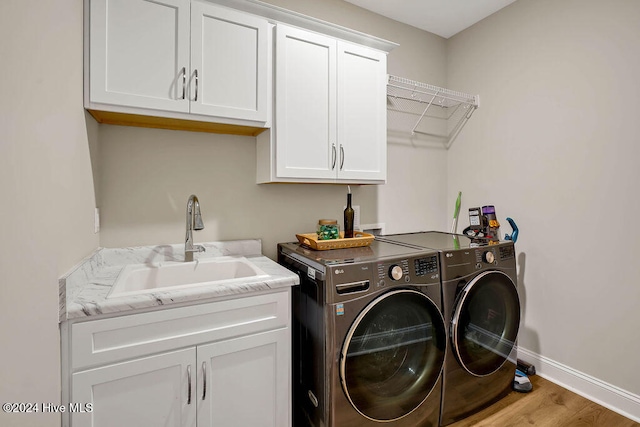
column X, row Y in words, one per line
column 228, row 63
column 153, row 391
column 305, row 129
column 245, row 381
column 362, row 113
column 139, row 53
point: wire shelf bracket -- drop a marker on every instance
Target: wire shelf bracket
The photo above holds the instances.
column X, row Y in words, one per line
column 420, row 108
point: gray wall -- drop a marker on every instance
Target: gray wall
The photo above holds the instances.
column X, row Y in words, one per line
column 47, row 193
column 554, row 145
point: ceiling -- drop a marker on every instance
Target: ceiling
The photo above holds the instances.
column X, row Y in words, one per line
column 442, row 17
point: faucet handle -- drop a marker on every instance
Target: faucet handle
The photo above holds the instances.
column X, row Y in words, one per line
column 198, row 248
column 188, row 253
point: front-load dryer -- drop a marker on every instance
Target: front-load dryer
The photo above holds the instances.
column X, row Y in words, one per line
column 481, row 309
column 369, row 337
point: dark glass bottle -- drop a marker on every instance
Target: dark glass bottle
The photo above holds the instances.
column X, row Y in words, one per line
column 348, row 218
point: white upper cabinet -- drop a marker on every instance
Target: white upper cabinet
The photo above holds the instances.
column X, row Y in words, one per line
column 229, row 61
column 305, row 104
column 178, row 59
column 218, row 66
column 362, row 113
column 330, row 112
column 138, row 53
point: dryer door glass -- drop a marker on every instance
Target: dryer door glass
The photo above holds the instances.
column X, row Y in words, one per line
column 485, row 323
column 393, row 355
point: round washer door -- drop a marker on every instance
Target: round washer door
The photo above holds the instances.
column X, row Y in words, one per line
column 393, row 355
column 485, row 323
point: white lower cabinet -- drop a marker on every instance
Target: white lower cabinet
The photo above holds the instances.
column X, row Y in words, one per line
column 152, row 391
column 219, row 364
column 245, row 380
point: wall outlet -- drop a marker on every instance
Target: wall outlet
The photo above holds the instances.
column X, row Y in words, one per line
column 376, row 229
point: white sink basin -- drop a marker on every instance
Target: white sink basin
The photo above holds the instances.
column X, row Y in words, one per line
column 143, row 278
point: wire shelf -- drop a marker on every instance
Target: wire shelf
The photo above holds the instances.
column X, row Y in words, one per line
column 420, row 108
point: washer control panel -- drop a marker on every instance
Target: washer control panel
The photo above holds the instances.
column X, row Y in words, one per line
column 425, row 266
column 419, row 270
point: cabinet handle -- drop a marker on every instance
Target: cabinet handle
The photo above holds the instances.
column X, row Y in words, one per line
column 341, row 156
column 333, row 156
column 184, row 82
column 204, row 380
column 189, row 385
column 196, row 98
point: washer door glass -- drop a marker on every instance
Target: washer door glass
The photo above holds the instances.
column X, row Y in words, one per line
column 393, row 355
column 485, row 323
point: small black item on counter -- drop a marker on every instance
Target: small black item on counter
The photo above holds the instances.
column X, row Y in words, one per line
column 348, row 217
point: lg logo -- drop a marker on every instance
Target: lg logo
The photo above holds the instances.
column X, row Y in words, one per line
column 449, row 255
column 339, row 271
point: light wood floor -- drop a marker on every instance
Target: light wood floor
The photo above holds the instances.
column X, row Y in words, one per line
column 548, row 405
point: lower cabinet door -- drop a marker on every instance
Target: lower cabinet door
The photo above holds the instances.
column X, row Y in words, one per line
column 245, row 381
column 148, row 392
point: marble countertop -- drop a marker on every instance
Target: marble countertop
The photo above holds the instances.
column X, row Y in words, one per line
column 85, row 289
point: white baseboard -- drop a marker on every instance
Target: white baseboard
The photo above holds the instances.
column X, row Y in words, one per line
column 607, row 395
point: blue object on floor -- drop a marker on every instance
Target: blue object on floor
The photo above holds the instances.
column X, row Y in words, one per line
column 521, row 382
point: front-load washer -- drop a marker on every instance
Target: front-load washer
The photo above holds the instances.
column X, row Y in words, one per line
column 368, row 336
column 481, row 309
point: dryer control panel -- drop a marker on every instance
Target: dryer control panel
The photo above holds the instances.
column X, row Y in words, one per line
column 485, row 256
column 494, row 255
column 507, row 252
